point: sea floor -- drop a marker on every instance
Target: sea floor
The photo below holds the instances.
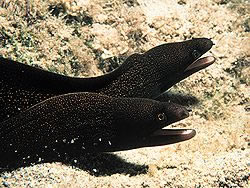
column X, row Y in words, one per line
column 89, row 38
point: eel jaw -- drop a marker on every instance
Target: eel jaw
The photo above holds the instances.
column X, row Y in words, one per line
column 194, row 67
column 199, row 64
column 168, row 136
column 158, row 138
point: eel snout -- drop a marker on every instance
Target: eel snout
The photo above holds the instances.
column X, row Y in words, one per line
column 181, row 113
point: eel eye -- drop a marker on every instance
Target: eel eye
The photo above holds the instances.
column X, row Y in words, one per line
column 161, row 116
column 196, row 54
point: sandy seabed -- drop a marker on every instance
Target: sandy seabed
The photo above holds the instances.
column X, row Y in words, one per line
column 89, row 38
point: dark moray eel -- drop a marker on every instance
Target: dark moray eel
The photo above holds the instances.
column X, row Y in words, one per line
column 141, row 75
column 86, row 122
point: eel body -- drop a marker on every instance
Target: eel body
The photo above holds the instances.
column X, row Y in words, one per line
column 141, row 75
column 77, row 123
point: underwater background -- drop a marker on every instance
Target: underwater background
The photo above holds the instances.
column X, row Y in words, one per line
column 86, row 38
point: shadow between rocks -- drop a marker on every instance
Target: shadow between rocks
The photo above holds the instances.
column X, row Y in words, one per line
column 96, row 164
column 178, row 98
column 106, row 164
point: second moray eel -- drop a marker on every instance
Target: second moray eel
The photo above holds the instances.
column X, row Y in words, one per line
column 142, row 75
column 77, row 123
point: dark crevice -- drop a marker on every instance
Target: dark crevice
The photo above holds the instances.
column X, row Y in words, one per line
column 59, row 10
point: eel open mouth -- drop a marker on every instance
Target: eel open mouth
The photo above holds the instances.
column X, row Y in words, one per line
column 164, row 136
column 169, row 136
column 160, row 137
column 199, row 64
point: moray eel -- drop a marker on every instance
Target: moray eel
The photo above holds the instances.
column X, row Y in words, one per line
column 141, row 75
column 87, row 122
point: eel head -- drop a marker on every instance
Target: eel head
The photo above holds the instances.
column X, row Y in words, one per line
column 148, row 131
column 177, row 61
column 168, row 64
